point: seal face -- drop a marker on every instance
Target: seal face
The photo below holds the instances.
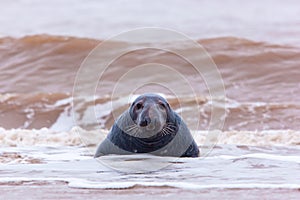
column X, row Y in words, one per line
column 149, row 126
column 149, row 114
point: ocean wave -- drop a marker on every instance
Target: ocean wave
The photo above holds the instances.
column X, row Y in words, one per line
column 38, row 74
column 51, row 62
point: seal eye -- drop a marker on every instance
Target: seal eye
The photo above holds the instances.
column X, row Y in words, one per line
column 162, row 105
column 139, row 106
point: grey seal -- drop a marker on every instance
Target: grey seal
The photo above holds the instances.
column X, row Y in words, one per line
column 149, row 126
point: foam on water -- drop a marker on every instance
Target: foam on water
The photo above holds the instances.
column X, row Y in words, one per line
column 80, row 137
column 75, row 137
column 285, row 158
column 182, row 185
column 81, row 183
column 227, row 167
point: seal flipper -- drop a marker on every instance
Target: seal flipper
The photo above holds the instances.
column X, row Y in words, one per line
column 192, row 151
column 107, row 147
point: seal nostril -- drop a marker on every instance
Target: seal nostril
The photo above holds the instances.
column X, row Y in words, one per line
column 144, row 122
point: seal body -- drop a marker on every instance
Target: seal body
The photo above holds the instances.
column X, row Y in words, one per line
column 149, row 126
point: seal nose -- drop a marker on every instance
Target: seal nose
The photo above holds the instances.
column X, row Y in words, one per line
column 145, row 121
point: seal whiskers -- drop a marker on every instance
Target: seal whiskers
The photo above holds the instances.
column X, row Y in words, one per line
column 132, row 130
column 168, row 129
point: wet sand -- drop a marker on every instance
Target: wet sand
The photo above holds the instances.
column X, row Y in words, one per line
column 60, row 190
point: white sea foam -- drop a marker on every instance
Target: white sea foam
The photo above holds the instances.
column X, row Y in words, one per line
column 82, row 183
column 36, row 137
column 63, row 122
column 285, row 158
column 182, row 185
column 77, row 136
column 228, row 167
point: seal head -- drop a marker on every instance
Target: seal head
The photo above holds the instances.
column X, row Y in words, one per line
column 150, row 116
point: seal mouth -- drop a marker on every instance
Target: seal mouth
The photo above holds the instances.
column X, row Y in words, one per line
column 152, row 126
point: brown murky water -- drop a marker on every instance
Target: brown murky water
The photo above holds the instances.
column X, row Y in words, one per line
column 261, row 80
